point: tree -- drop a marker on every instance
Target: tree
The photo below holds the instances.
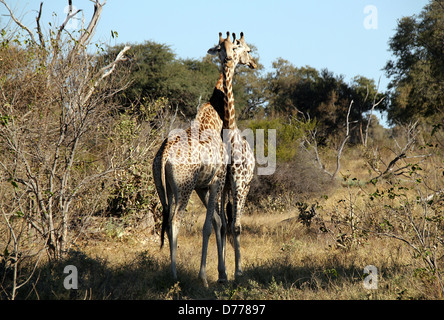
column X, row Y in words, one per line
column 321, row 95
column 417, row 70
column 157, row 73
column 52, row 110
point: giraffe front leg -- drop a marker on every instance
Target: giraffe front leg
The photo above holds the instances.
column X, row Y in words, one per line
column 236, row 228
column 237, row 255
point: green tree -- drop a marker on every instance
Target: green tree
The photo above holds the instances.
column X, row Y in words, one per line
column 157, row 73
column 417, row 69
column 319, row 94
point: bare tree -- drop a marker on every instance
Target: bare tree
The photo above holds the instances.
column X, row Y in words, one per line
column 311, row 141
column 401, row 162
column 52, row 98
column 374, row 105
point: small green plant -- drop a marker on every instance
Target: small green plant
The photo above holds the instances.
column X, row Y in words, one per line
column 306, row 214
column 114, row 228
column 174, row 292
column 330, row 273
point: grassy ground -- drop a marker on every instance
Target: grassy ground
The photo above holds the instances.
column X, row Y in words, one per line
column 282, row 259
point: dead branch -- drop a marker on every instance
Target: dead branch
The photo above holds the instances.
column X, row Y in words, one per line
column 88, row 33
column 374, row 105
column 17, row 21
column 401, row 154
column 105, row 72
column 341, row 148
column 69, row 16
column 39, row 29
column 311, row 140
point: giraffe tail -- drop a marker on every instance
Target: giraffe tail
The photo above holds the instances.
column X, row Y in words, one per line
column 166, row 210
column 165, row 220
column 229, row 211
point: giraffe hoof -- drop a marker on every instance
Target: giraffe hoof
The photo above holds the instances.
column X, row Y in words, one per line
column 204, row 283
column 222, row 277
column 203, row 278
column 238, row 275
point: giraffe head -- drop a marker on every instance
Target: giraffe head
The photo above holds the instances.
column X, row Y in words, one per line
column 233, row 52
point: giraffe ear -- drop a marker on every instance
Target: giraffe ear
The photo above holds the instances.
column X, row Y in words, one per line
column 215, row 50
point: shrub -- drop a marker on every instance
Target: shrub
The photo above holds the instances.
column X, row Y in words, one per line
column 292, row 182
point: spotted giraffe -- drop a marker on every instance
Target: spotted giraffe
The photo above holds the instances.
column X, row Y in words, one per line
column 241, row 163
column 194, row 159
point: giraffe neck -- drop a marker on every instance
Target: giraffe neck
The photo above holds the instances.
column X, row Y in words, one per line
column 229, row 121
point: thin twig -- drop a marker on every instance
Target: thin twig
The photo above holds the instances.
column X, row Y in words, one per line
column 21, row 25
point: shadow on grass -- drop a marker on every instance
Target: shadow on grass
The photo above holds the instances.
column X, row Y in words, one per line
column 143, row 278
column 277, row 279
column 149, row 277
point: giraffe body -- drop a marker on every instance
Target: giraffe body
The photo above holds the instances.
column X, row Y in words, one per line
column 194, row 159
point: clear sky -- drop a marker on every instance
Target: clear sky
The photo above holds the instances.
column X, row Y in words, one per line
column 349, row 37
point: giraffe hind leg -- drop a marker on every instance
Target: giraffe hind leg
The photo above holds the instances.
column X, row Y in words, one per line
column 236, row 227
column 182, row 193
column 219, row 225
column 210, row 220
column 166, row 214
column 220, row 229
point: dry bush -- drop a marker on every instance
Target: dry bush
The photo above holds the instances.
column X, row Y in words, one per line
column 132, row 195
column 60, row 151
column 292, row 182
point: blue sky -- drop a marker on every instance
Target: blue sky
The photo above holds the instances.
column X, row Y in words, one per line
column 321, row 33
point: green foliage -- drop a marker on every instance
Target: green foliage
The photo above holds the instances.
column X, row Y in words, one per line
column 296, row 175
column 417, row 71
column 157, row 73
column 133, row 192
column 319, row 94
column 288, row 134
column 412, row 213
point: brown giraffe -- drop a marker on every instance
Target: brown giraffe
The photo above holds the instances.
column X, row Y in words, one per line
column 194, row 159
column 241, row 164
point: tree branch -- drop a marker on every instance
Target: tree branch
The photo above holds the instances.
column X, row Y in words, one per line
column 21, row 25
column 86, row 35
column 105, row 72
column 39, row 29
column 347, row 136
column 69, row 16
column 411, row 138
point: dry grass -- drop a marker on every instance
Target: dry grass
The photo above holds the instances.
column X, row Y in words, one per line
column 282, row 259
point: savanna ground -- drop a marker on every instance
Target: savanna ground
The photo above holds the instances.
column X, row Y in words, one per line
column 284, row 256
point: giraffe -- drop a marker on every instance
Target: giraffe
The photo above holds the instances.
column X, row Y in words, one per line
column 194, row 160
column 240, row 168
